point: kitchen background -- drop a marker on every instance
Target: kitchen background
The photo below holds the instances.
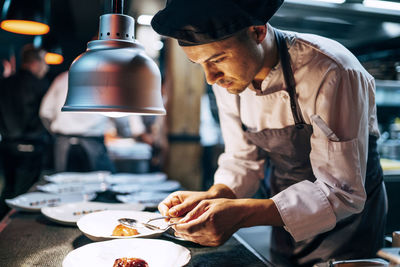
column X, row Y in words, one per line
column 369, row 28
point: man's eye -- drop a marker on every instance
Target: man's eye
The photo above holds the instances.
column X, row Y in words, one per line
column 219, row 60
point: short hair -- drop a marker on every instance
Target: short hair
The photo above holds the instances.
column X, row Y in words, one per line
column 31, row 53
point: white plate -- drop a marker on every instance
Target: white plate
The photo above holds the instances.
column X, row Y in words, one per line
column 69, row 214
column 165, row 186
column 78, row 177
column 68, row 188
column 129, row 178
column 157, row 253
column 148, row 199
column 34, row 201
column 99, row 226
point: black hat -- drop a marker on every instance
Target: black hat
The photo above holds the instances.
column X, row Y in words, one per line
column 195, row 22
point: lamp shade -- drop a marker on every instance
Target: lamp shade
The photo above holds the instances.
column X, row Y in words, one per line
column 26, row 17
column 115, row 74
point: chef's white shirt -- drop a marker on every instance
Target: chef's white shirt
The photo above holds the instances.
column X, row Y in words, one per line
column 331, row 83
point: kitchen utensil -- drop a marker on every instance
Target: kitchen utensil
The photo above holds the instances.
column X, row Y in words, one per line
column 133, row 223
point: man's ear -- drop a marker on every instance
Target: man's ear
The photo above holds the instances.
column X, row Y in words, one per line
column 259, row 32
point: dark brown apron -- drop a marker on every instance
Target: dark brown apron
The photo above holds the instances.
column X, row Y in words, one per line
column 288, row 149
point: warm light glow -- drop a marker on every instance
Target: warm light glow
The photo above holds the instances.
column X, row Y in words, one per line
column 25, row 27
column 53, row 58
column 382, row 4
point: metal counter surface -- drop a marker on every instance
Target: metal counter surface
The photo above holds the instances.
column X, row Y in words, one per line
column 30, row 239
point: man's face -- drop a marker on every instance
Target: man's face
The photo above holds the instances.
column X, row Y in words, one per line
column 231, row 63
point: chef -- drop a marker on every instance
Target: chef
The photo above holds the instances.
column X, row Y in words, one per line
column 301, row 102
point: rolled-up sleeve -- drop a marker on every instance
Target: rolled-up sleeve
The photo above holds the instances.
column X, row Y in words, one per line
column 239, row 167
column 309, row 208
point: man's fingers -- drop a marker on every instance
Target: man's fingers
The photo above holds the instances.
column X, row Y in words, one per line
column 195, row 213
column 182, row 208
column 193, row 221
column 163, row 209
column 167, row 203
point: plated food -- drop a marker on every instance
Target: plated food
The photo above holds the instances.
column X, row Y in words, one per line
column 155, row 252
column 122, row 230
column 130, row 262
column 99, row 226
column 69, row 214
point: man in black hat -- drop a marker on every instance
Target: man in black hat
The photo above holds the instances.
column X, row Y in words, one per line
column 304, row 104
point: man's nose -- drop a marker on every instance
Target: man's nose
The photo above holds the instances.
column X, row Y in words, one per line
column 212, row 74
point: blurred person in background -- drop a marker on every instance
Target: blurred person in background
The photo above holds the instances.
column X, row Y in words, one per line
column 79, row 137
column 23, row 136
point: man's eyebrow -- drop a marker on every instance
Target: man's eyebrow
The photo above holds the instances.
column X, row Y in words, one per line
column 210, row 58
column 214, row 56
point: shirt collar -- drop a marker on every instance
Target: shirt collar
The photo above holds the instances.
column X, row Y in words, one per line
column 277, row 69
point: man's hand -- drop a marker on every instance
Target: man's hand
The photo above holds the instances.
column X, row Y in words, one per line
column 213, row 221
column 210, row 218
column 181, row 202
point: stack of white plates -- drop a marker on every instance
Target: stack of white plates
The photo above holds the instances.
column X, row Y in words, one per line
column 148, row 199
column 165, row 186
column 67, row 188
column 34, row 201
column 133, row 178
column 78, row 177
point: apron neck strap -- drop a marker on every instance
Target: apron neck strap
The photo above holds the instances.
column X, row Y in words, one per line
column 288, row 76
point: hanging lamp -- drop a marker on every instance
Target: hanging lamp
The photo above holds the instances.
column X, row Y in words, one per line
column 28, row 17
column 115, row 74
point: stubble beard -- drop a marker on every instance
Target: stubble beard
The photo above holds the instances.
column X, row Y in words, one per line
column 237, row 90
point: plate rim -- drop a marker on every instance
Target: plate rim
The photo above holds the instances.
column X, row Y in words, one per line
column 48, row 178
column 176, row 185
column 10, row 202
column 73, row 223
column 146, row 204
